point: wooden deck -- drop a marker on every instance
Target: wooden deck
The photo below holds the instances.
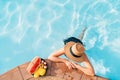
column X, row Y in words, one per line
column 56, row 71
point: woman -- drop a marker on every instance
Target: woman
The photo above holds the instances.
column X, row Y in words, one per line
column 74, row 50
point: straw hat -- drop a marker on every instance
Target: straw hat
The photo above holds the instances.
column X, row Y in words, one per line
column 74, row 51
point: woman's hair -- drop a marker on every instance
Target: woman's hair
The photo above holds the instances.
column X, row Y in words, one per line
column 73, row 39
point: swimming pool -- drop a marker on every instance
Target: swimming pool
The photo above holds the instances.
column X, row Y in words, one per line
column 31, row 28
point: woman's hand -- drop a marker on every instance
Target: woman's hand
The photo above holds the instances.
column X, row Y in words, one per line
column 76, row 65
column 69, row 64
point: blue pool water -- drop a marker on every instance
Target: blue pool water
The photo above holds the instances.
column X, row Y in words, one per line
column 31, row 28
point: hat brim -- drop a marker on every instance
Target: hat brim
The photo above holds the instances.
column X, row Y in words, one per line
column 69, row 55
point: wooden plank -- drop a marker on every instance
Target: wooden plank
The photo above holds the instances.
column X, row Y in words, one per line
column 49, row 63
column 101, row 78
column 13, row 74
column 94, row 78
column 23, row 71
column 58, row 69
column 84, row 77
column 73, row 75
column 47, row 78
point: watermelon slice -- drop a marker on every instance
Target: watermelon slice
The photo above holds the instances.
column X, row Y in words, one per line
column 33, row 64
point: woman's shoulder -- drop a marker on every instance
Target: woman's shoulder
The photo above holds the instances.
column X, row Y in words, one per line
column 85, row 57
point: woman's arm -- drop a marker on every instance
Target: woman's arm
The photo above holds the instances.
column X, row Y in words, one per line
column 88, row 69
column 55, row 58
